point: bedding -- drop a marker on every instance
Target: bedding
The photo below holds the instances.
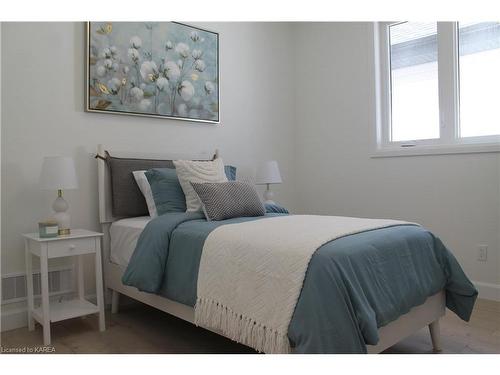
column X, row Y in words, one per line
column 127, row 198
column 353, row 285
column 268, row 279
column 166, row 190
column 145, row 188
column 225, row 200
column 198, row 171
column 162, row 191
column 275, row 208
column 124, row 234
column 230, row 171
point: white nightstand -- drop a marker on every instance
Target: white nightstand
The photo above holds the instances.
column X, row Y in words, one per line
column 78, row 243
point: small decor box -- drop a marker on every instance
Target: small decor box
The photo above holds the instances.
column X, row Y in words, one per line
column 48, row 229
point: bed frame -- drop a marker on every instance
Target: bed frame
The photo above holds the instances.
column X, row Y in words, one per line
column 427, row 314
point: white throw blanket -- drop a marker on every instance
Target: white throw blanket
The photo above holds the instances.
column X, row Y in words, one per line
column 251, row 274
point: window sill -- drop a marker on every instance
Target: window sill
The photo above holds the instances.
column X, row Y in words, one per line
column 389, row 152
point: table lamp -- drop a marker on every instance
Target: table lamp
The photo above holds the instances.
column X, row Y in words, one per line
column 58, row 173
column 268, row 173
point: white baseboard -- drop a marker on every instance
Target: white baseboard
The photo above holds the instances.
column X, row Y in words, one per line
column 488, row 291
column 18, row 318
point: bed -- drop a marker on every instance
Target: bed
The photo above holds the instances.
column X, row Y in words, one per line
column 121, row 236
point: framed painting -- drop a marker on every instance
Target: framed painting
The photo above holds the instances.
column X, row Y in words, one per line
column 155, row 69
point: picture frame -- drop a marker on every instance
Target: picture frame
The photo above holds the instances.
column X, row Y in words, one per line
column 166, row 70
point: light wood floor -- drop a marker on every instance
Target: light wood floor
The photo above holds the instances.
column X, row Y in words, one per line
column 140, row 329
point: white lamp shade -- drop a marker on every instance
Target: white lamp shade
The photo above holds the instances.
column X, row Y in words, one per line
column 268, row 173
column 58, row 172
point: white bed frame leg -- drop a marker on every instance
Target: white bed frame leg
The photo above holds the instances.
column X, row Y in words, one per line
column 115, row 299
column 435, row 336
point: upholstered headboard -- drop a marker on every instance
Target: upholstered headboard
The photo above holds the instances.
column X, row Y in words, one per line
column 104, row 176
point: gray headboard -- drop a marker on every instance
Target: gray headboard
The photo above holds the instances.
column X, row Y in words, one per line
column 104, row 177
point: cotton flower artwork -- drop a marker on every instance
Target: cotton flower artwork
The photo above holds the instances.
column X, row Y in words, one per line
column 160, row 69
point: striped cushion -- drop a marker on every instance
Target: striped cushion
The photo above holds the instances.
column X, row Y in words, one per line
column 225, row 200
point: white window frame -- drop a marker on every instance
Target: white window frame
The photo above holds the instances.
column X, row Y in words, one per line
column 449, row 141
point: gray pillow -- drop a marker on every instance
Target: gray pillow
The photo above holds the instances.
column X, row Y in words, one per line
column 225, row 200
column 128, row 201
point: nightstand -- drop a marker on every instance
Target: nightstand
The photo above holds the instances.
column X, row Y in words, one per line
column 78, row 243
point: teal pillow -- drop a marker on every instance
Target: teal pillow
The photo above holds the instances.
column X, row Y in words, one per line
column 230, row 172
column 166, row 190
column 275, row 208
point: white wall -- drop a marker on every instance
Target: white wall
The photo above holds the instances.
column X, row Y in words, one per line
column 43, row 102
column 455, row 196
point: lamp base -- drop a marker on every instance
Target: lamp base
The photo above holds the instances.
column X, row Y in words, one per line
column 268, row 195
column 60, row 206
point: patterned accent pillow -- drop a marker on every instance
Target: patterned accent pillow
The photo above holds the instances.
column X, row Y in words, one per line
column 225, row 200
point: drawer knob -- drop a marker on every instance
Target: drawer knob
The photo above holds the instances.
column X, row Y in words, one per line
column 72, row 247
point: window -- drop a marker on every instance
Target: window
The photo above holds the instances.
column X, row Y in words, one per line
column 414, row 79
column 438, row 86
column 479, row 64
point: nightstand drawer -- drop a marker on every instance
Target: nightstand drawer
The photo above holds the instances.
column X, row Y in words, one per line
column 71, row 246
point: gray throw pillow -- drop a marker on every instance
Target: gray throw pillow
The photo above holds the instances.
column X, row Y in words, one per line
column 225, row 200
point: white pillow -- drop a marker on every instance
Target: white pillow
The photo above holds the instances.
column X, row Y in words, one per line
column 198, row 171
column 143, row 183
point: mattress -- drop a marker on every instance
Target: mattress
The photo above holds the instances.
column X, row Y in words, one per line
column 124, row 234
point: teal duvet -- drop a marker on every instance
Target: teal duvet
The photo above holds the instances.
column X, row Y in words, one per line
column 353, row 285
